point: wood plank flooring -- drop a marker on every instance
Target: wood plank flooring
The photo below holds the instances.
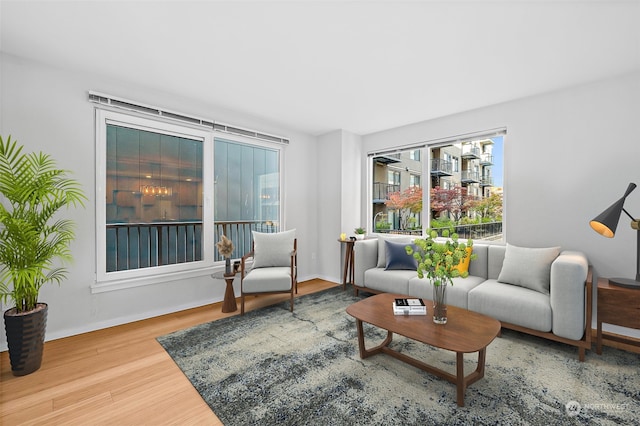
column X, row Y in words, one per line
column 117, row 376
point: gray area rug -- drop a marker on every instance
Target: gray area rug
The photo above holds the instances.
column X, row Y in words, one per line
column 275, row 367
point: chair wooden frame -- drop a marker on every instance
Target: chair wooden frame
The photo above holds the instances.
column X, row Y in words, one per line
column 293, row 272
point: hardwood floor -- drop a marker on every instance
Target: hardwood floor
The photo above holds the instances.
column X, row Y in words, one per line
column 117, row 376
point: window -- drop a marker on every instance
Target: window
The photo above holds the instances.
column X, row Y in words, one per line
column 464, row 188
column 394, row 177
column 170, row 191
column 247, row 191
column 152, row 177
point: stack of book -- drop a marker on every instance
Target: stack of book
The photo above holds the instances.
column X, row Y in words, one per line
column 409, row 307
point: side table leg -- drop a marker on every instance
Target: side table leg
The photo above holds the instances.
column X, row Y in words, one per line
column 229, row 303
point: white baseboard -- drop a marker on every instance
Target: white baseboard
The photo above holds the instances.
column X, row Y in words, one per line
column 113, row 322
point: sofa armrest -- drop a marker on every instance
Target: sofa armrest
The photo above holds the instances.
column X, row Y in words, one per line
column 365, row 257
column 567, row 293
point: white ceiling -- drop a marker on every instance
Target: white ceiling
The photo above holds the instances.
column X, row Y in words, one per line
column 318, row 66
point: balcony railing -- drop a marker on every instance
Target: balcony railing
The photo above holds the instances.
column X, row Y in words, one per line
column 144, row 245
column 486, row 181
column 240, row 232
column 480, row 231
column 440, row 167
column 381, row 191
column 470, row 151
column 469, row 176
column 486, row 159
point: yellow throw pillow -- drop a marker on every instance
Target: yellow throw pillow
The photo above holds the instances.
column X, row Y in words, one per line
column 463, row 266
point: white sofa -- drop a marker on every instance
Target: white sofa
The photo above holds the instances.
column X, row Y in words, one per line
column 560, row 312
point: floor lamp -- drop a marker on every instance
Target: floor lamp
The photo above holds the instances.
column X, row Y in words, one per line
column 606, row 223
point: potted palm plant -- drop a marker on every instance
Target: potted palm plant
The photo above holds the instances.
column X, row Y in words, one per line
column 34, row 245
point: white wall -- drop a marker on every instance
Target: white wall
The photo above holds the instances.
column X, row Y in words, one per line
column 568, row 156
column 47, row 109
column 353, row 192
column 328, row 204
column 339, row 197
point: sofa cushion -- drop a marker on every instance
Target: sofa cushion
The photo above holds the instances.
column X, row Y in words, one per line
column 273, row 249
column 388, row 281
column 509, row 303
column 478, row 268
column 397, row 257
column 528, row 267
column 495, row 258
column 463, row 266
column 382, row 251
column 457, row 294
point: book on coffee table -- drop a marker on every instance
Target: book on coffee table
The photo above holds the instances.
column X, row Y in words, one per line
column 409, row 307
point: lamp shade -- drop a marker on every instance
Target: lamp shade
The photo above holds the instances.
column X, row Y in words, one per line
column 607, row 221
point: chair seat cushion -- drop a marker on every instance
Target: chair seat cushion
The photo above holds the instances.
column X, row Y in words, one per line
column 267, row 279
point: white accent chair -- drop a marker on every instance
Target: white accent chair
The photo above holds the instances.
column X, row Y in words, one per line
column 274, row 266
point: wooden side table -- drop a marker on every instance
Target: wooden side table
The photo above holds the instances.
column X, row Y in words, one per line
column 616, row 306
column 347, row 272
column 229, row 303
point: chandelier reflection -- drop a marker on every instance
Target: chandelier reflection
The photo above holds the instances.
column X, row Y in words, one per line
column 163, row 191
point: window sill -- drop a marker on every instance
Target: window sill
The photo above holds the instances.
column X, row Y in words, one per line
column 123, row 284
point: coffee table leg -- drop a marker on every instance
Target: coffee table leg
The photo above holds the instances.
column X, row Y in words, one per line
column 461, row 384
column 461, row 381
column 364, row 353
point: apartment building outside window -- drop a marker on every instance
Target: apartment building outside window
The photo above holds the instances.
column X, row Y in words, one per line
column 463, row 189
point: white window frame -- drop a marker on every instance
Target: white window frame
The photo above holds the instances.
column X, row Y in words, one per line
column 107, row 281
column 425, row 147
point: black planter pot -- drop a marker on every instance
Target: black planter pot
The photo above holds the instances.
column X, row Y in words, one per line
column 25, row 338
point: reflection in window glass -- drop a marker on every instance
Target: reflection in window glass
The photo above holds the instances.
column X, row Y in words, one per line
column 153, row 199
column 246, row 192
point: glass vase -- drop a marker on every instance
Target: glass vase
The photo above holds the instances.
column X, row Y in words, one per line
column 227, row 266
column 440, row 303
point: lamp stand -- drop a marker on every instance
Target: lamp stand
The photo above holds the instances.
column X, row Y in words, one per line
column 628, row 282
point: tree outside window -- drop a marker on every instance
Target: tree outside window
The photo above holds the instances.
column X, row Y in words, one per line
column 464, row 182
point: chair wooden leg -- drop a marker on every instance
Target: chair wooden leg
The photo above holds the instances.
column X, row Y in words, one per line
column 291, row 303
column 242, row 305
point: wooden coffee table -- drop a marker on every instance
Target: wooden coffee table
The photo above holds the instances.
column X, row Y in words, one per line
column 464, row 332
